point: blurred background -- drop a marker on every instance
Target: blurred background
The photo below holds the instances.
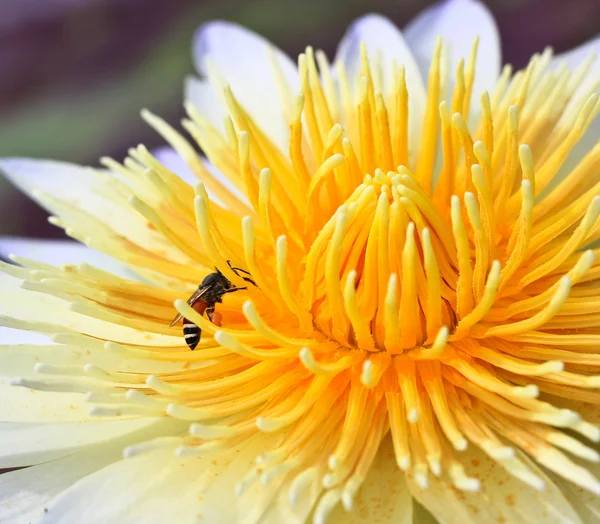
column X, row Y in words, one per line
column 75, row 73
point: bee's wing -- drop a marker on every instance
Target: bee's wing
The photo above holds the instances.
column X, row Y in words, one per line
column 191, row 301
column 175, row 320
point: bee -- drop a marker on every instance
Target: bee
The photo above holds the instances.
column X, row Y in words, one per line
column 204, row 299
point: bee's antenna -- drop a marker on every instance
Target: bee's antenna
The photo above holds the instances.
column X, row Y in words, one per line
column 246, row 279
column 238, row 270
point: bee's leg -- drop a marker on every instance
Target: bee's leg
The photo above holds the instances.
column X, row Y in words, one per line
column 210, row 311
column 234, row 289
column 214, row 316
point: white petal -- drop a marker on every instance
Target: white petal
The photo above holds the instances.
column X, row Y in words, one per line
column 573, row 59
column 171, row 159
column 585, row 503
column 50, row 314
column 458, row 22
column 19, row 358
column 381, row 36
column 383, row 497
column 150, row 488
column 59, row 252
column 244, row 61
column 10, row 336
column 158, row 487
column 280, row 509
column 226, row 182
column 91, row 202
column 502, row 498
column 24, row 444
column 26, row 492
column 167, row 156
column 252, row 505
column 205, row 98
column 21, row 404
column 421, row 515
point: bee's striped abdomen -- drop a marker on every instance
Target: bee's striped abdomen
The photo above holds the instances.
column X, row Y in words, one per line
column 191, row 333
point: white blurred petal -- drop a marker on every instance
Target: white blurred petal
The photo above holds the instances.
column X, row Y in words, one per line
column 172, row 160
column 458, row 22
column 243, row 60
column 574, row 57
column 26, row 492
column 591, row 83
column 205, row 98
column 502, row 498
column 381, row 36
column 27, row 443
column 10, row 336
column 86, row 199
column 59, row 252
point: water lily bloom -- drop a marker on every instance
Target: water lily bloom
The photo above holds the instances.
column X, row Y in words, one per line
column 423, row 335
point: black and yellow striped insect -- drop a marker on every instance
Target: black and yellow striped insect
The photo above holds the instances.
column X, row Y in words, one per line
column 204, row 299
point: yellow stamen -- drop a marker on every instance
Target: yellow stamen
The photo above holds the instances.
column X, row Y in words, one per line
column 362, row 333
column 464, row 295
column 429, row 136
column 400, row 129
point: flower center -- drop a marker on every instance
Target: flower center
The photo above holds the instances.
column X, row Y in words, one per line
column 380, row 274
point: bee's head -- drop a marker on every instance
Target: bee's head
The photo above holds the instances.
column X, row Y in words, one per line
column 216, row 280
column 222, row 280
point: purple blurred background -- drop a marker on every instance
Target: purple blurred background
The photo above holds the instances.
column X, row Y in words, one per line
column 75, row 73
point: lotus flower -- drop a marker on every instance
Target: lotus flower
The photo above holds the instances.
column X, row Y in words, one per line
column 423, row 336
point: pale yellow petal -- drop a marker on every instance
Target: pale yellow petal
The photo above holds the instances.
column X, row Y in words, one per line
column 27, row 443
column 49, row 314
column 383, row 498
column 158, row 486
column 502, row 498
column 25, row 493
